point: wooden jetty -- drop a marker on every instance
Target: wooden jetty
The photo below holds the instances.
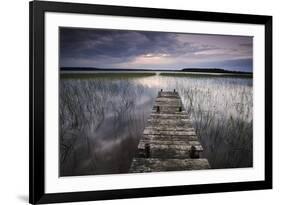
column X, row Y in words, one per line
column 169, row 142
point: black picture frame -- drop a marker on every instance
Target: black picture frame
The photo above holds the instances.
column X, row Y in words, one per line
column 37, row 11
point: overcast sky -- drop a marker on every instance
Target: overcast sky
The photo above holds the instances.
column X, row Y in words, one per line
column 153, row 50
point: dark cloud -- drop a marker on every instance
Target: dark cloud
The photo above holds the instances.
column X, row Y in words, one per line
column 114, row 43
column 115, row 48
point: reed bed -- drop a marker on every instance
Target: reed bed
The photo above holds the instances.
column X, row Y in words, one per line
column 102, row 119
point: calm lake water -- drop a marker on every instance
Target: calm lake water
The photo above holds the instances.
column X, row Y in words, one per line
column 102, row 118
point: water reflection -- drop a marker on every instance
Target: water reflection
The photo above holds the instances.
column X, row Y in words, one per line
column 102, row 119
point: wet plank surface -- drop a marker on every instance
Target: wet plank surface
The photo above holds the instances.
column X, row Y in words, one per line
column 158, row 165
column 169, row 141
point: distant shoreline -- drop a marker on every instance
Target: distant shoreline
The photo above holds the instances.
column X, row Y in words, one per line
column 184, row 70
column 131, row 74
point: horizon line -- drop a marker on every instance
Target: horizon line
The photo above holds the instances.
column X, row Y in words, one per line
column 165, row 69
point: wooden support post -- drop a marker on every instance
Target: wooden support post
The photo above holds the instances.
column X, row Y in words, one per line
column 147, row 150
column 194, row 153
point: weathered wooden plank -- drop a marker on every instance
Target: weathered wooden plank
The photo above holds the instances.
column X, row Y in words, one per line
column 171, row 114
column 179, row 115
column 157, row 165
column 170, row 137
column 170, row 142
column 168, row 121
column 183, row 147
column 165, row 111
column 173, row 101
column 163, row 132
column 174, row 120
column 185, row 128
column 169, row 127
column 163, row 153
column 168, row 94
column 171, row 122
column 165, row 99
column 166, row 104
column 156, row 116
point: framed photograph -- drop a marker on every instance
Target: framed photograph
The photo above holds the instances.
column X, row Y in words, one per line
column 130, row 102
